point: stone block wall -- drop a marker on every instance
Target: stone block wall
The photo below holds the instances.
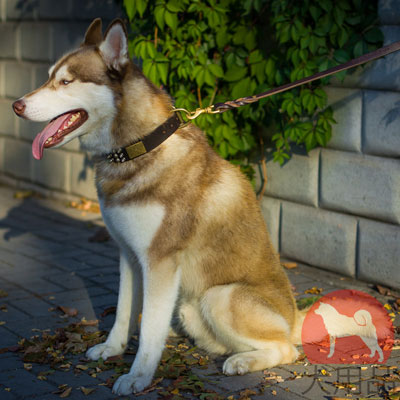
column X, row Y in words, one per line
column 33, row 35
column 339, row 208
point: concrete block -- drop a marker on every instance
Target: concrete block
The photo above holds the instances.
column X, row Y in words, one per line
column 318, row 237
column 73, row 145
column 297, row 180
column 53, row 170
column 7, row 117
column 8, row 33
column 19, row 10
column 29, row 129
column 378, row 74
column 1, row 154
column 389, row 12
column 41, row 75
column 381, row 120
column 347, row 107
column 82, row 177
column 35, row 41
column 49, row 9
column 67, row 37
column 271, row 209
column 17, row 158
column 18, row 79
column 379, row 253
column 361, row 185
column 2, row 79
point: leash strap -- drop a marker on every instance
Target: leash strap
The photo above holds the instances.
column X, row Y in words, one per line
column 229, row 105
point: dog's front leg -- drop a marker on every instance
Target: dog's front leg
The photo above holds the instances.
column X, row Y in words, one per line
column 128, row 309
column 332, row 346
column 161, row 286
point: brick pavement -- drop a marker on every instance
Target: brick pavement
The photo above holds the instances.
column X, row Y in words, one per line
column 46, row 261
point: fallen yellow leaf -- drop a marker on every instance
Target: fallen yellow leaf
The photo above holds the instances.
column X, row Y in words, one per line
column 314, row 290
column 87, row 391
column 66, row 393
column 290, row 265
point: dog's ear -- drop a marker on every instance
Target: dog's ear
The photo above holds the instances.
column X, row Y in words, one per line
column 94, row 35
column 114, row 48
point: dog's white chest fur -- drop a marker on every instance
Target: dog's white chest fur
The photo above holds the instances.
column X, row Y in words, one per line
column 134, row 226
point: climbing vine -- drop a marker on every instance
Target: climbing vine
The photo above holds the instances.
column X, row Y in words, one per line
column 208, row 51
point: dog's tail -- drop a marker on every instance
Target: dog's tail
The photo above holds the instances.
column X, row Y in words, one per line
column 298, row 325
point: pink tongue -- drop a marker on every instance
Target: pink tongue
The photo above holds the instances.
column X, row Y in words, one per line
column 50, row 130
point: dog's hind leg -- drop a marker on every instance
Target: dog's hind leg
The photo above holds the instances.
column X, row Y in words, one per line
column 246, row 323
column 128, row 309
column 194, row 324
column 373, row 345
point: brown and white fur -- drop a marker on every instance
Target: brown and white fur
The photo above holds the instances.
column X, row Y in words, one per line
column 189, row 216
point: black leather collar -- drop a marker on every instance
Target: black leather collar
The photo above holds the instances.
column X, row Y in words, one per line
column 148, row 143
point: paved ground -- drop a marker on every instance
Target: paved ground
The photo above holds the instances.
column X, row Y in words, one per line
column 47, row 262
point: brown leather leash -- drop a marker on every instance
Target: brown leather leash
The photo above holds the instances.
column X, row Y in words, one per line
column 176, row 121
column 229, row 105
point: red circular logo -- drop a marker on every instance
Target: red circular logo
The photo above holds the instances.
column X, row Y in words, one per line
column 347, row 327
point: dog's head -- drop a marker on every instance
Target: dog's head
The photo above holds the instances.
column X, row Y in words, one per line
column 81, row 93
column 322, row 308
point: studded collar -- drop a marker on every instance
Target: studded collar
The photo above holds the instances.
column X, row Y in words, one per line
column 148, row 143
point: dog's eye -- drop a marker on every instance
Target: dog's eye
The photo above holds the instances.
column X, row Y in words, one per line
column 65, row 82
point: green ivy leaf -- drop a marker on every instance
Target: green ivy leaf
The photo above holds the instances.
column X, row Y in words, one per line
column 159, row 13
column 174, row 6
column 359, row 49
column 130, row 8
column 141, row 6
column 216, row 70
column 171, row 20
column 235, row 73
column 374, row 35
column 242, row 88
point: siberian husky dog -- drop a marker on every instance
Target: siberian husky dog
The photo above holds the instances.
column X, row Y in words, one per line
column 190, row 217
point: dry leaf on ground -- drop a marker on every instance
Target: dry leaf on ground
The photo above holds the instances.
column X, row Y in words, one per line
column 66, row 392
column 108, row 310
column 23, row 194
column 314, row 290
column 290, row 265
column 71, row 312
column 87, row 391
column 86, row 205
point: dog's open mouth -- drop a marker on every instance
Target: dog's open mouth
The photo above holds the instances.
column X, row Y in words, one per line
column 58, row 127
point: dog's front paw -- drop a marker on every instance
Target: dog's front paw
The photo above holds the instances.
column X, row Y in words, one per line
column 236, row 365
column 126, row 384
column 104, row 351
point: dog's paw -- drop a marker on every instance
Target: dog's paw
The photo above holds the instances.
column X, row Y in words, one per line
column 129, row 383
column 236, row 365
column 104, row 351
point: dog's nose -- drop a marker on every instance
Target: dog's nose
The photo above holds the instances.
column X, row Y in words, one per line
column 19, row 107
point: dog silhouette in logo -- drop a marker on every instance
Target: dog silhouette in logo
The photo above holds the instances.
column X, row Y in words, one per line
column 339, row 325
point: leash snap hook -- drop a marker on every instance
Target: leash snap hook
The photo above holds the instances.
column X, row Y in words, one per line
column 191, row 115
